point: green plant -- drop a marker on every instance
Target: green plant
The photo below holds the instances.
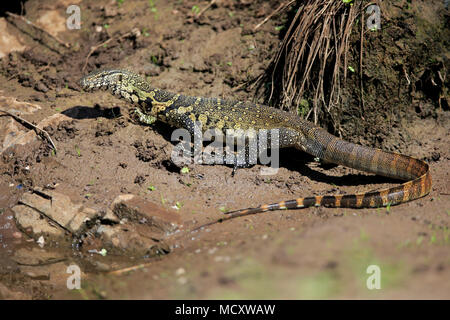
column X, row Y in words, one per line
column 77, row 149
column 195, row 9
column 184, row 170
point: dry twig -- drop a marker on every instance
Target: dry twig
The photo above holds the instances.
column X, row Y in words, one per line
column 277, row 10
column 36, row 32
column 205, row 8
column 129, row 269
column 28, row 124
column 96, row 47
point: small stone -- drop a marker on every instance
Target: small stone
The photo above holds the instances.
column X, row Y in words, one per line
column 180, row 271
column 41, row 241
column 41, row 87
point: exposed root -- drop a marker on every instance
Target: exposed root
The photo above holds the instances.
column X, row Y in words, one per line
column 312, row 59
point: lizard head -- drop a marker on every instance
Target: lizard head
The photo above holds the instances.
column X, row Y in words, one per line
column 117, row 81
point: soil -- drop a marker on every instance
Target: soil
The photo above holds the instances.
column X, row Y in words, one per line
column 104, row 152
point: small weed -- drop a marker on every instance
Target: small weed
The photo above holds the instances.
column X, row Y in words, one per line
column 223, row 209
column 195, row 9
column 151, row 4
column 77, row 149
column 184, row 170
column 433, row 239
column 303, row 108
column 154, row 59
column 388, row 206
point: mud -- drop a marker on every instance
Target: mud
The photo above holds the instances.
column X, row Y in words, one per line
column 103, row 153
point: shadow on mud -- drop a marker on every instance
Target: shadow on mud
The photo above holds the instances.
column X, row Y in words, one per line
column 84, row 112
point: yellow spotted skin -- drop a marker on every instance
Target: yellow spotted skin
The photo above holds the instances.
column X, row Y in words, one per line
column 184, row 111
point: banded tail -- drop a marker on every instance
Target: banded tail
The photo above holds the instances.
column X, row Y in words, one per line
column 332, row 149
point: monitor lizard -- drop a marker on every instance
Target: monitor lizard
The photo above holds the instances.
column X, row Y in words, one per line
column 183, row 111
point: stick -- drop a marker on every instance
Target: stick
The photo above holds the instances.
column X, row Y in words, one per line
column 29, row 124
column 96, row 47
column 133, row 268
column 280, row 7
column 205, row 8
column 28, row 22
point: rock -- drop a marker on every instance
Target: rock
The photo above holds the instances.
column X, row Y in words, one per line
column 10, row 131
column 35, row 273
column 7, row 294
column 13, row 105
column 133, row 226
column 131, row 239
column 140, row 210
column 110, row 217
column 14, row 135
column 110, row 11
column 59, row 212
column 8, row 41
column 60, row 209
column 31, row 223
column 35, row 257
column 41, row 87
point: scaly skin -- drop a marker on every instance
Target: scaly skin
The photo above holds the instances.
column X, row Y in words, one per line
column 183, row 111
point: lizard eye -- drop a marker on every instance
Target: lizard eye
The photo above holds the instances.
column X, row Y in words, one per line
column 120, row 77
